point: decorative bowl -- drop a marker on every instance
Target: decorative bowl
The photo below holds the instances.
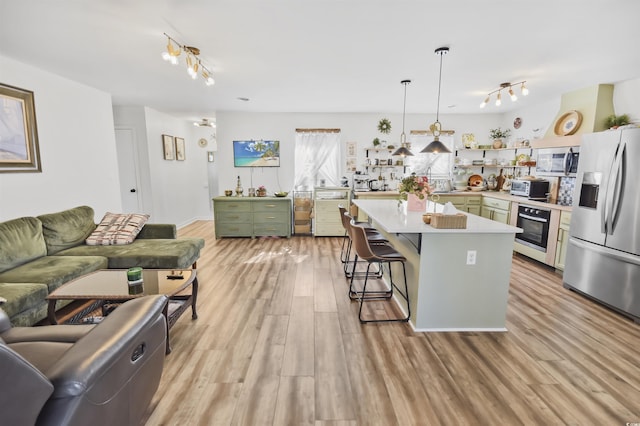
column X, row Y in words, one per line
column 281, row 194
column 228, row 192
column 426, row 218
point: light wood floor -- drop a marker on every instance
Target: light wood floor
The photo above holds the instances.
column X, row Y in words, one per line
column 278, row 343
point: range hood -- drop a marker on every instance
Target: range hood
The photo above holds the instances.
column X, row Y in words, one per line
column 594, row 103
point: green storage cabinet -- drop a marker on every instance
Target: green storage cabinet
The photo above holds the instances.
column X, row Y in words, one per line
column 252, row 216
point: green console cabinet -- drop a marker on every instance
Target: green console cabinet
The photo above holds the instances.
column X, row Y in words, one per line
column 252, row 216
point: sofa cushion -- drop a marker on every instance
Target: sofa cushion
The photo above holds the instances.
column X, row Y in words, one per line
column 21, row 296
column 152, row 253
column 54, row 270
column 117, row 229
column 22, row 241
column 67, row 228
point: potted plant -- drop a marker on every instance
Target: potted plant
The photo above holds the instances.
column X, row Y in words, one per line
column 376, row 142
column 262, row 191
column 614, row 121
column 414, row 189
column 498, row 135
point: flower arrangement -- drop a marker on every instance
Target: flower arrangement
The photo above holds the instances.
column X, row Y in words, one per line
column 417, row 185
column 499, row 133
column 262, row 191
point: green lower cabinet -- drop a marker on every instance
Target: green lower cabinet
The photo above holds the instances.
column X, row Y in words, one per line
column 464, row 203
column 563, row 240
column 495, row 209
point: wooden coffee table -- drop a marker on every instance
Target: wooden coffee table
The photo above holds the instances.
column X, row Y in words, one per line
column 110, row 286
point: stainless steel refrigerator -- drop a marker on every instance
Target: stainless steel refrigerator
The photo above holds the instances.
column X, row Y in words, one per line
column 603, row 255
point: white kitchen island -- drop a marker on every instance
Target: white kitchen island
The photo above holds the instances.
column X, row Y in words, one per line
column 446, row 292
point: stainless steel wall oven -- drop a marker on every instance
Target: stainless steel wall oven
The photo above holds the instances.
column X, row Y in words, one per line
column 534, row 222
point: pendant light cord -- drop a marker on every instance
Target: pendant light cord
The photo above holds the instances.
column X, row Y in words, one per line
column 439, row 85
column 404, row 108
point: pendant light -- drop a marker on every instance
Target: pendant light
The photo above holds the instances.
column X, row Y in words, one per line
column 403, row 151
column 436, row 146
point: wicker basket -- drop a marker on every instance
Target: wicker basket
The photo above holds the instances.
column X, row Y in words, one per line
column 449, row 221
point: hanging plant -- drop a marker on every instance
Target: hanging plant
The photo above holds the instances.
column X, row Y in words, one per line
column 384, row 126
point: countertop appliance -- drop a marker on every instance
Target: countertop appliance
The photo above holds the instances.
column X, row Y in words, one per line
column 534, row 222
column 558, row 161
column 603, row 253
column 533, row 189
column 360, row 182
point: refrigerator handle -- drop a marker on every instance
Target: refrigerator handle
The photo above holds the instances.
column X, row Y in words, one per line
column 613, row 189
column 620, row 173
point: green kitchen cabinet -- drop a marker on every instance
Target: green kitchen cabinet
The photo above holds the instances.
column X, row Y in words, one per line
column 495, row 209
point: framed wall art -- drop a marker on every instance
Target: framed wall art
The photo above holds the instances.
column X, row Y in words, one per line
column 179, row 148
column 167, row 147
column 19, row 149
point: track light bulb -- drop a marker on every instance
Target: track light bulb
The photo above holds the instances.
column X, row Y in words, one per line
column 513, row 95
column 485, row 102
column 524, row 90
column 499, row 99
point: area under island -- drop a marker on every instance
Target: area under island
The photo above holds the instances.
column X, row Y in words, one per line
column 458, row 279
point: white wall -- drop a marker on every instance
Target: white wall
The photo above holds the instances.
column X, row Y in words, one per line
column 172, row 191
column 180, row 188
column 361, row 128
column 77, row 147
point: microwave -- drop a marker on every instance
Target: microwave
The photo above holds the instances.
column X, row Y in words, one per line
column 532, row 189
column 558, row 161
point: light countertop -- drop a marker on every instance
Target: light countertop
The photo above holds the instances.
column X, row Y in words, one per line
column 394, row 219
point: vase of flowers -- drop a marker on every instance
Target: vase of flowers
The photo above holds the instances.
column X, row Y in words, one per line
column 262, row 191
column 414, row 190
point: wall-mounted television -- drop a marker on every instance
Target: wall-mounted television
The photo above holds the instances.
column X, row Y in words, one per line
column 256, row 153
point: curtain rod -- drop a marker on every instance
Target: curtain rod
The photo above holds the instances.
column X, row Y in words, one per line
column 429, row 132
column 317, row 130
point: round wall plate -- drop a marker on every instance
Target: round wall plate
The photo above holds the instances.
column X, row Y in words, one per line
column 202, row 142
column 568, row 123
column 517, row 123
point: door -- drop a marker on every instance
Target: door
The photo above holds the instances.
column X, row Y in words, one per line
column 596, row 159
column 127, row 164
column 623, row 206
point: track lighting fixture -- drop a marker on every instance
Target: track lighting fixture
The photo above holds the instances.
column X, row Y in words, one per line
column 509, row 88
column 403, row 151
column 194, row 63
column 437, row 147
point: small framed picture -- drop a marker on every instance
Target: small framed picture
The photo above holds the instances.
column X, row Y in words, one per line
column 179, row 148
column 167, row 147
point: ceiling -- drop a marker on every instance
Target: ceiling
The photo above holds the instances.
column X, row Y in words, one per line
column 327, row 55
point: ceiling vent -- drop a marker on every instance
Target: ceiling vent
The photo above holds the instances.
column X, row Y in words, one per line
column 204, row 123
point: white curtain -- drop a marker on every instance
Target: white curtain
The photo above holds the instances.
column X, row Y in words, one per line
column 317, row 158
column 440, row 163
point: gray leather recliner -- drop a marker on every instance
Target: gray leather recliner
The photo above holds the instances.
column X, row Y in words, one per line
column 104, row 374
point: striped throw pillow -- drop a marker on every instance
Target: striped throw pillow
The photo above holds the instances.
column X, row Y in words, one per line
column 116, row 229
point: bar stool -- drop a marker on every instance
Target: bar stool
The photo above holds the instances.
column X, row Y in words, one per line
column 373, row 236
column 381, row 254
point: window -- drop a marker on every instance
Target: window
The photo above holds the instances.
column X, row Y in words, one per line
column 317, row 158
column 440, row 164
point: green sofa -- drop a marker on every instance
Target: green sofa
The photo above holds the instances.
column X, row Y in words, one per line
column 39, row 254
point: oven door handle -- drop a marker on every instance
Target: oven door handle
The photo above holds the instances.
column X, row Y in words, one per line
column 537, row 219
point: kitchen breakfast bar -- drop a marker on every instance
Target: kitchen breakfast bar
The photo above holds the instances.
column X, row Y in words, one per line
column 458, row 278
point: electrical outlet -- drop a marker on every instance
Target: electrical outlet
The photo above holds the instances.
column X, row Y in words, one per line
column 471, row 257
